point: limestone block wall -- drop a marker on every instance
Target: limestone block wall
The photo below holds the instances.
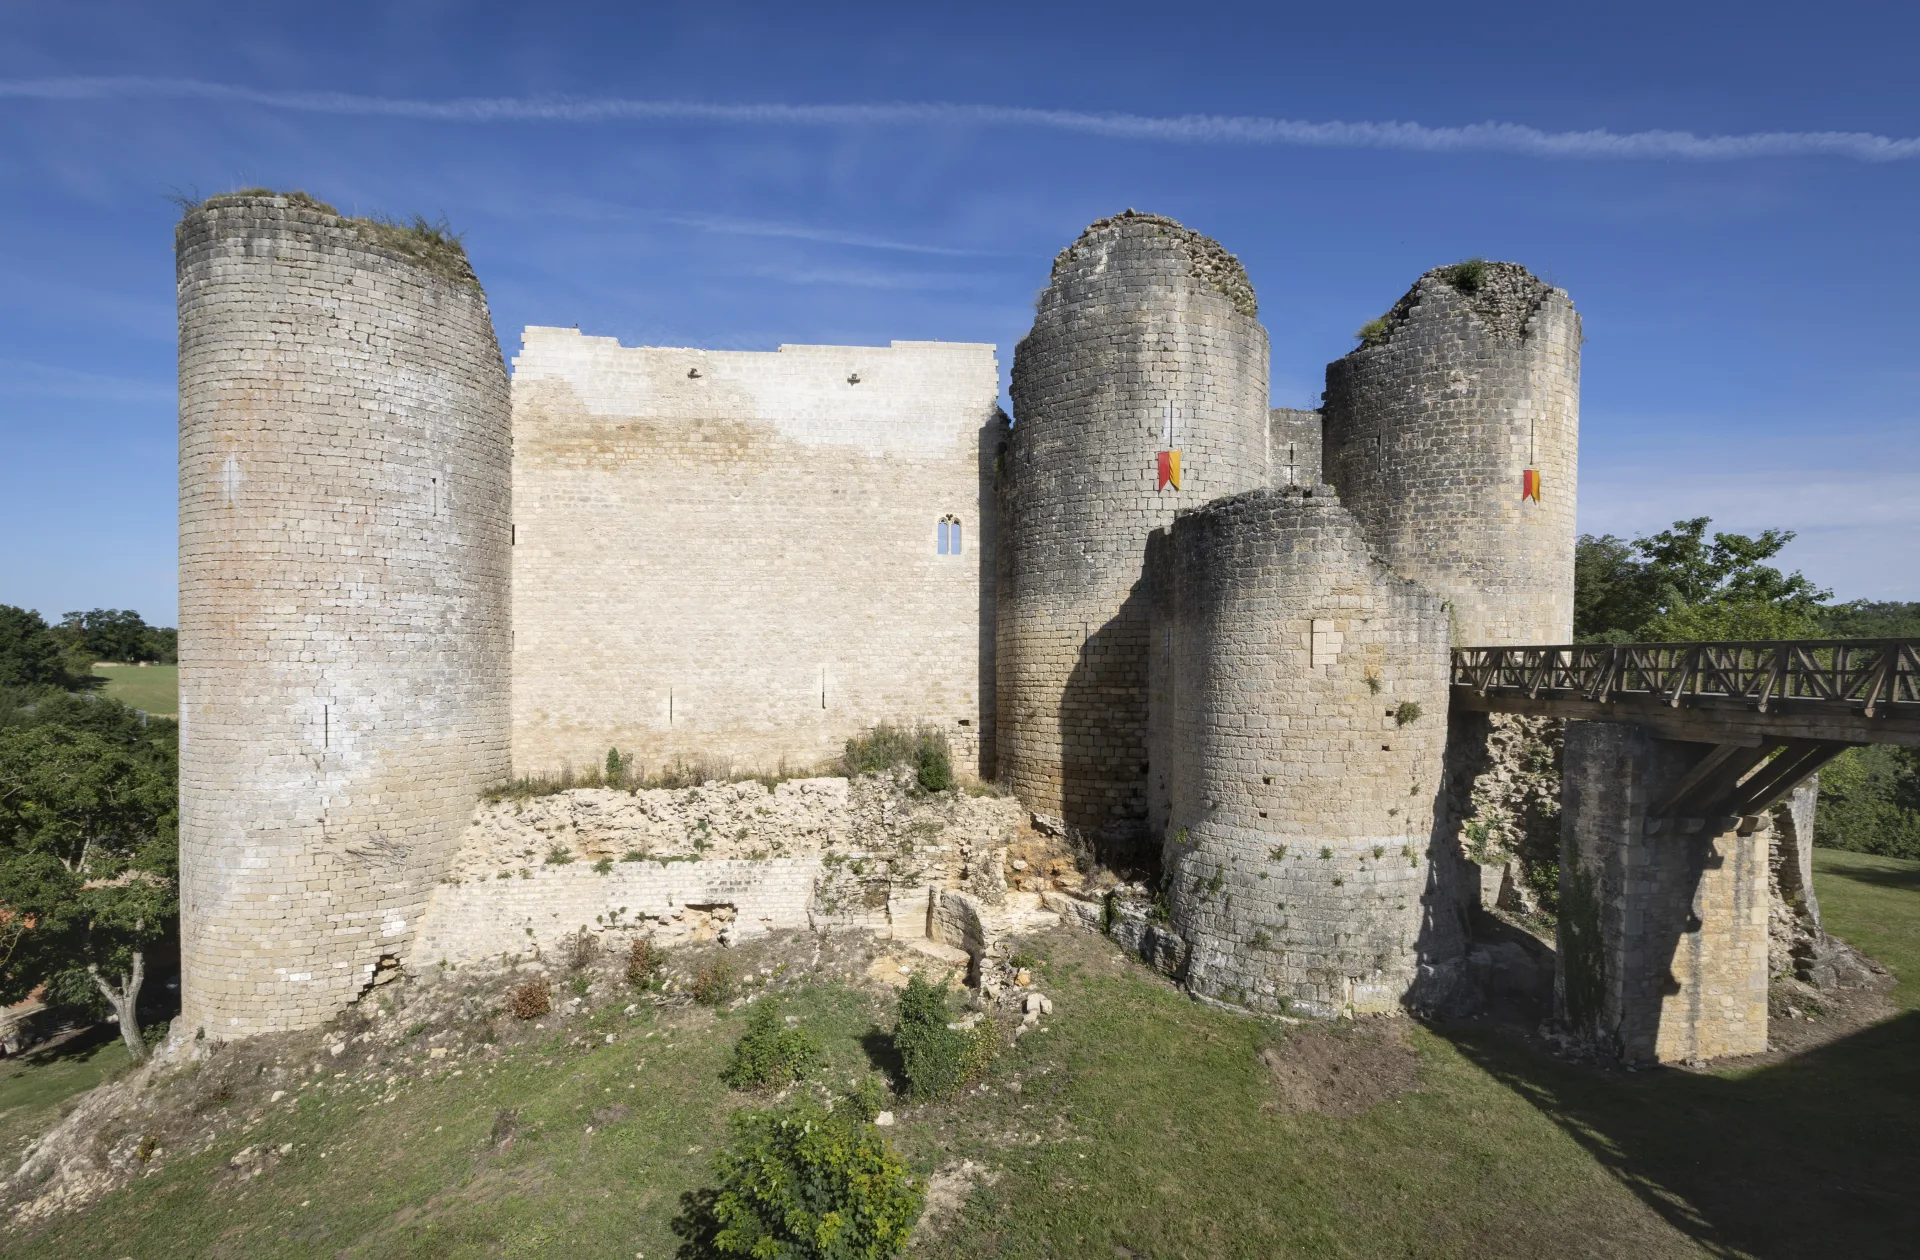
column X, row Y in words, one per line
column 1145, row 340
column 345, row 509
column 1662, row 938
column 1429, row 429
column 737, row 555
column 1306, row 688
column 1294, row 438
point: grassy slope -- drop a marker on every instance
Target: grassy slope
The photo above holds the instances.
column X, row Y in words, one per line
column 153, row 688
column 32, row 1088
column 1139, row 1125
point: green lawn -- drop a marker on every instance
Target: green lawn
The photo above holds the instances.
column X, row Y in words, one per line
column 1138, row 1124
column 1871, row 902
column 153, row 688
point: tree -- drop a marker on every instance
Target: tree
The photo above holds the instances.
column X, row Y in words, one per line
column 29, row 652
column 1676, row 586
column 111, row 634
column 88, row 857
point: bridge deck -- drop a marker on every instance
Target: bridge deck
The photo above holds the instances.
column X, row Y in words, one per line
column 1837, row 691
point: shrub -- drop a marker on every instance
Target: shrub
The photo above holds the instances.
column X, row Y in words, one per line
column 769, row 1054
column 529, row 1000
column 559, row 855
column 713, row 983
column 1469, row 276
column 869, row 1097
column 582, row 948
column 644, row 963
column 1373, row 332
column 937, row 1059
column 803, row 1182
column 883, row 747
column 1407, row 714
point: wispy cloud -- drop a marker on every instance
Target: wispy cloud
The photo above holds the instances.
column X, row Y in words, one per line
column 1484, row 137
column 828, row 236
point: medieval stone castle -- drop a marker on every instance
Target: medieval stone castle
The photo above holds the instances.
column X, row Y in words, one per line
column 1187, row 629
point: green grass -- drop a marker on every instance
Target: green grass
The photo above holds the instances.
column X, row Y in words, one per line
column 1143, row 1124
column 1873, row 903
column 33, row 1087
column 153, row 688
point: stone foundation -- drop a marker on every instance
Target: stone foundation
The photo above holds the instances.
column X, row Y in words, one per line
column 1663, row 938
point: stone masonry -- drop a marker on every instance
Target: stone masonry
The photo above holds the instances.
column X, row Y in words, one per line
column 1306, row 688
column 1429, row 428
column 345, row 507
column 737, row 555
column 1144, row 341
column 1662, row 936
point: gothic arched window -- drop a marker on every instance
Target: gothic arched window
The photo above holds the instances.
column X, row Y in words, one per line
column 949, row 535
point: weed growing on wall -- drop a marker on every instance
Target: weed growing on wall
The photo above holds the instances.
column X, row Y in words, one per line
column 937, row 1057
column 1469, row 276
column 803, row 1182
column 883, row 747
column 769, row 1054
column 1373, row 332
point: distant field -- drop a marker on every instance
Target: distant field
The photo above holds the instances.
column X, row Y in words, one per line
column 154, row 688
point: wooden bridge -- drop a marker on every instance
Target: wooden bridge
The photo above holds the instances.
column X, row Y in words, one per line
column 1778, row 711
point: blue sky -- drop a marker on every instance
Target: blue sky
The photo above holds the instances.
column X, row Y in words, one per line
column 737, row 176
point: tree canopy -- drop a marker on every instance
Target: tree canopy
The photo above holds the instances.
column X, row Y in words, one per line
column 1679, row 585
column 30, row 655
column 115, row 634
column 88, row 852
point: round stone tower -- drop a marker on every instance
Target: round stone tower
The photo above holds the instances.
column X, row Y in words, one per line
column 1304, row 688
column 345, row 520
column 1145, row 342
column 1432, row 424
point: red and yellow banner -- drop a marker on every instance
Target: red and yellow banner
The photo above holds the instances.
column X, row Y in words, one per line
column 1530, row 484
column 1169, row 469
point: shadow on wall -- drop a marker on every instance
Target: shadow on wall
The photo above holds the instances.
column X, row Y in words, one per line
column 1103, row 733
column 988, row 557
column 1814, row 1157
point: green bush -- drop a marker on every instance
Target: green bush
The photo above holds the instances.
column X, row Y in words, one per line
column 770, row 1054
column 802, row 1182
column 1469, row 276
column 1870, row 802
column 936, row 1059
column 1373, row 332
column 883, row 747
column 869, row 1097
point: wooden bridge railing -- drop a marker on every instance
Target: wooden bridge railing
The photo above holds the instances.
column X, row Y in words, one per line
column 1853, row 690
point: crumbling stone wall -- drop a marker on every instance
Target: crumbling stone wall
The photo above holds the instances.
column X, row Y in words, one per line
column 722, row 861
column 1307, row 691
column 1141, row 315
column 1504, row 772
column 345, row 510
column 1428, row 429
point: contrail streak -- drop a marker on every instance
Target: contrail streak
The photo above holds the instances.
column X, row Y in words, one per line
column 1485, row 137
